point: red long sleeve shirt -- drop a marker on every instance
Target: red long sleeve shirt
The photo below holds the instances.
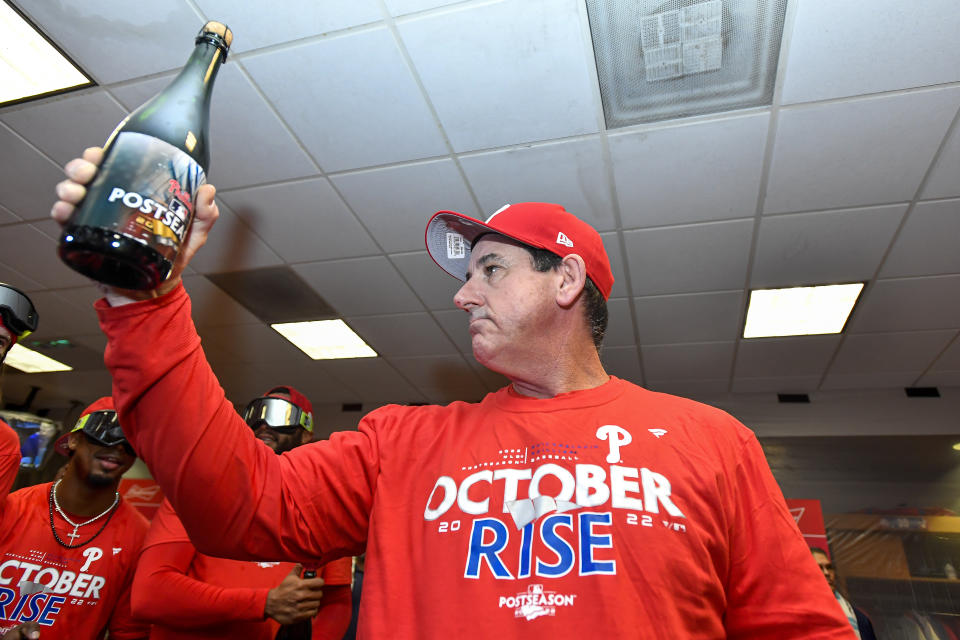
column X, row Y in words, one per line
column 607, row 512
column 189, row 595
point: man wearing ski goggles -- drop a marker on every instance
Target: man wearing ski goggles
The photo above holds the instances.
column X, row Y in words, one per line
column 282, row 418
column 18, row 317
column 101, row 427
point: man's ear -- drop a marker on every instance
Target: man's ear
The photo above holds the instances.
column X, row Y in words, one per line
column 305, row 436
column 73, row 440
column 574, row 272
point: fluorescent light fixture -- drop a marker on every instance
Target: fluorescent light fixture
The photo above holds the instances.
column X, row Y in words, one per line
column 30, row 361
column 800, row 311
column 957, row 446
column 29, row 64
column 325, row 339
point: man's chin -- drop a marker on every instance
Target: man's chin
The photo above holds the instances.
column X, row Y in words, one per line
column 99, row 479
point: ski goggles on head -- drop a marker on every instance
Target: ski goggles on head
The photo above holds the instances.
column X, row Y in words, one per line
column 103, row 428
column 279, row 414
column 18, row 314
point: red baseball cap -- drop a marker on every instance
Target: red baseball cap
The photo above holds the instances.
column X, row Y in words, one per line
column 450, row 235
column 100, row 404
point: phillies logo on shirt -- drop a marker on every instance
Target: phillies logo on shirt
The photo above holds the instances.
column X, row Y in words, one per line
column 558, row 511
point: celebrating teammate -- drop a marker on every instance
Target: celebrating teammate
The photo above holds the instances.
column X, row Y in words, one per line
column 190, row 595
column 568, row 504
column 68, row 548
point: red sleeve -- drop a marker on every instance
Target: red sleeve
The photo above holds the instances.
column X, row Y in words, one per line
column 9, row 458
column 164, row 594
column 339, row 571
column 336, row 607
column 774, row 590
column 235, row 497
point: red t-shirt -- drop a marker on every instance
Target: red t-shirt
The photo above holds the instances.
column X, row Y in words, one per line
column 71, row 593
column 9, row 457
column 608, row 512
column 189, row 595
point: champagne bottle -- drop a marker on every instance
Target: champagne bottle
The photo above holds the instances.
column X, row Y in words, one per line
column 129, row 228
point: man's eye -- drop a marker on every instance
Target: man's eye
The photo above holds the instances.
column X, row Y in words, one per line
column 490, row 268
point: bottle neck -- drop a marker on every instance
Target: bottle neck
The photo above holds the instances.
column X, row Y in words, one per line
column 197, row 76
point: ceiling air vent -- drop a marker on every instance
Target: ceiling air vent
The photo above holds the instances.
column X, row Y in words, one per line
column 659, row 60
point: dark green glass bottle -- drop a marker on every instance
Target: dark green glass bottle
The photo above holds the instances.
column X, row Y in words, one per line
column 129, row 228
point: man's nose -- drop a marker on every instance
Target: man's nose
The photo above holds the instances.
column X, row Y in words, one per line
column 465, row 297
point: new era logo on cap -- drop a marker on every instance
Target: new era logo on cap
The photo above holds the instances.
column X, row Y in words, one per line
column 450, row 237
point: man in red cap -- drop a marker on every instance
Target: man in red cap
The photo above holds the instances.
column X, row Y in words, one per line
column 569, row 504
column 68, row 548
column 188, row 595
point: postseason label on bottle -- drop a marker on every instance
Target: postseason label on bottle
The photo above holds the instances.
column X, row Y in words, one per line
column 145, row 191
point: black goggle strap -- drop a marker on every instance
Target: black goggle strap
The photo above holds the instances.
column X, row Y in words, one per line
column 276, row 412
column 103, row 427
column 19, row 315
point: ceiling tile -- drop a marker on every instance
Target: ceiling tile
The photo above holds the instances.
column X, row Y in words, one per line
column 240, row 120
column 58, row 389
column 60, row 318
column 82, row 298
column 401, row 7
column 10, row 275
column 395, row 203
column 942, row 181
column 823, row 248
column 63, row 126
column 339, row 281
column 375, row 380
column 911, row 304
column 611, row 244
column 457, row 327
column 27, row 180
column 788, row 384
column 847, row 48
column 927, row 244
column 704, row 360
column 890, row 352
column 698, row 317
column 619, row 325
column 780, row 357
column 8, row 217
column 857, row 152
column 113, row 43
column 245, row 381
column 702, row 257
column 949, row 360
column 28, row 250
column 260, row 26
column 881, row 380
column 940, row 379
column 442, row 378
column 364, row 109
column 690, row 172
column 231, row 246
column 572, row 173
column 507, row 72
column 432, row 284
column 623, row 363
column 301, row 221
column 250, row 343
column 212, row 307
column 414, row 334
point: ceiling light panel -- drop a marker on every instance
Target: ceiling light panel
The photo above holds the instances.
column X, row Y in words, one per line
column 325, row 339
column 29, row 65
column 800, row 311
column 30, row 361
column 664, row 59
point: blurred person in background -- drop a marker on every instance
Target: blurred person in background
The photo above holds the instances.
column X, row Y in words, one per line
column 190, row 595
column 858, row 619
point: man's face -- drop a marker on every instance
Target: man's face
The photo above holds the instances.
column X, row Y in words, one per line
column 507, row 299
column 6, row 340
column 826, row 567
column 281, row 442
column 95, row 464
